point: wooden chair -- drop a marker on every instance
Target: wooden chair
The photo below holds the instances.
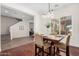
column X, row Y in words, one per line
column 63, row 47
column 41, row 46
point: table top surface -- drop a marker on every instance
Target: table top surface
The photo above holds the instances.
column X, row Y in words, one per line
column 53, row 37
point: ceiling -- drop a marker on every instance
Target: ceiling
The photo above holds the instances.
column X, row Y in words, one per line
column 5, row 11
column 42, row 8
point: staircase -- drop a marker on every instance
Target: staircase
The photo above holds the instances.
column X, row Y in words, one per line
column 20, row 29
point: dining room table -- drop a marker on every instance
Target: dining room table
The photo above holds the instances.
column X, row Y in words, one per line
column 54, row 39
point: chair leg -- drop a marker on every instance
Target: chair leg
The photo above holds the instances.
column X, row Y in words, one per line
column 54, row 50
column 42, row 51
column 39, row 51
column 57, row 51
column 67, row 51
column 49, row 51
column 35, row 50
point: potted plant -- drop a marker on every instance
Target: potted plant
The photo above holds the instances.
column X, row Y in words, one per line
column 48, row 25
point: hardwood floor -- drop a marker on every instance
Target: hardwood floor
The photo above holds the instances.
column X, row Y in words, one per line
column 74, row 51
column 7, row 43
column 29, row 50
column 25, row 50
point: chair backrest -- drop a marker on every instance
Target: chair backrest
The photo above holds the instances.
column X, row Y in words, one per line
column 38, row 39
column 68, row 40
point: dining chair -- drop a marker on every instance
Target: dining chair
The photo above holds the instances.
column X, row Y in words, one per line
column 41, row 46
column 63, row 47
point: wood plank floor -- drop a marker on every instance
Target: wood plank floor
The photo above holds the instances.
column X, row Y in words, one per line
column 74, row 51
column 7, row 43
column 28, row 50
column 25, row 50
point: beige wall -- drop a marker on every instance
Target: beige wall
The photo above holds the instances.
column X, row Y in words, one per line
column 6, row 22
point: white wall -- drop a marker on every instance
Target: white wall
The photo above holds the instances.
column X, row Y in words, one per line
column 6, row 22
column 43, row 22
column 71, row 10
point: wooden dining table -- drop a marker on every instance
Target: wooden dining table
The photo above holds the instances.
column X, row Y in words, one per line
column 54, row 39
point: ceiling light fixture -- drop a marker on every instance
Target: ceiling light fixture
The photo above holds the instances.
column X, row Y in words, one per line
column 50, row 13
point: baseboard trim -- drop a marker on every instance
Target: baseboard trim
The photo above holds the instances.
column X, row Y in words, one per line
column 75, row 47
column 4, row 34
